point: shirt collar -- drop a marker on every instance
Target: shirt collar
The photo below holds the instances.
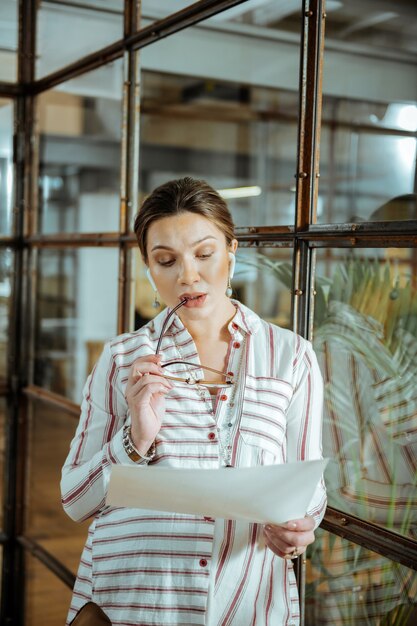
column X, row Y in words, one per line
column 244, row 319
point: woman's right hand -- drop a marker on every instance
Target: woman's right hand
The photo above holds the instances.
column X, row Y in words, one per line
column 145, row 395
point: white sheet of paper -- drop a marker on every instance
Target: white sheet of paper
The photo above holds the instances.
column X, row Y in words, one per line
column 266, row 493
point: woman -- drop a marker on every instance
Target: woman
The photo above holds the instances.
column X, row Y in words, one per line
column 259, row 402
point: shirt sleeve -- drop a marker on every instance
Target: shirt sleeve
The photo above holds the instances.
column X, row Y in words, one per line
column 353, row 418
column 97, row 443
column 396, row 396
column 304, row 421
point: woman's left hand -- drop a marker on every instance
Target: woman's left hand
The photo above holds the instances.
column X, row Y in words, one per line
column 291, row 539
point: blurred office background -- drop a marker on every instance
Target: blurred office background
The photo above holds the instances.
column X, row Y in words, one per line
column 303, row 115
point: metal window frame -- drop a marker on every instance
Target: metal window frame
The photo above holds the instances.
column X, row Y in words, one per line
column 305, row 236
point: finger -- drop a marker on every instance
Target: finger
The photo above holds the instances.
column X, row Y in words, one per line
column 284, row 551
column 275, row 540
column 305, row 523
column 139, row 370
column 146, row 380
column 289, row 538
column 148, row 391
column 141, row 367
column 295, row 553
column 277, row 547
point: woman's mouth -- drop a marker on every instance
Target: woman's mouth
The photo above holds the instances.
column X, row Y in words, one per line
column 194, row 301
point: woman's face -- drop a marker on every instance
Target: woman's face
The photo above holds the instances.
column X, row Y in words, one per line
column 188, row 257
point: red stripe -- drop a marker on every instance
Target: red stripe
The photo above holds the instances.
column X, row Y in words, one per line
column 151, row 607
column 271, row 351
column 82, row 487
column 183, row 457
column 225, row 549
column 152, row 553
column 243, row 579
column 263, row 418
column 261, row 434
column 268, row 379
column 84, row 431
column 307, row 413
column 166, row 536
column 259, row 587
column 150, row 571
column 165, row 589
column 269, row 600
column 143, row 518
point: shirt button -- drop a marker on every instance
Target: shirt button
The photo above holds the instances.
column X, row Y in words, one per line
column 212, row 435
column 203, row 562
column 235, row 326
column 236, row 344
column 223, row 397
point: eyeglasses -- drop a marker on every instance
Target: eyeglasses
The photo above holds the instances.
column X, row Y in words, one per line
column 226, row 381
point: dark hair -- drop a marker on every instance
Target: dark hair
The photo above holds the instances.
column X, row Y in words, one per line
column 399, row 208
column 181, row 196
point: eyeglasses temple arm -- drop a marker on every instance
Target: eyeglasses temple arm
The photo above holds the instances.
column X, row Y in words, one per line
column 196, row 366
column 166, row 322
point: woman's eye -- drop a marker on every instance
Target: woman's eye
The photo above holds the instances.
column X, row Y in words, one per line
column 166, row 263
column 205, row 256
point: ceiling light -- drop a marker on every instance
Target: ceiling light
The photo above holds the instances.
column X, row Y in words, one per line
column 240, row 192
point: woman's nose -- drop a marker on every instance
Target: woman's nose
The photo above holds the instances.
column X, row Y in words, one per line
column 188, row 272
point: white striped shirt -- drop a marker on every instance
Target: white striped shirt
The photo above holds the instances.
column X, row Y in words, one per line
column 146, row 567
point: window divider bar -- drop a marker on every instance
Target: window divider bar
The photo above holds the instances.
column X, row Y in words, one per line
column 376, row 538
column 160, row 29
column 55, row 566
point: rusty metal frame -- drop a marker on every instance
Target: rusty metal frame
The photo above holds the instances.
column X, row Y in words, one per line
column 10, row 90
column 160, row 29
column 375, row 538
column 310, row 94
column 129, row 188
column 12, row 607
column 55, row 566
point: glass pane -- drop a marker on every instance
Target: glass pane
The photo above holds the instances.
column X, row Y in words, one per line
column 282, row 15
column 366, row 176
column 8, row 38
column 80, row 127
column 204, row 135
column 6, row 165
column 3, row 417
column 262, row 281
column 77, row 311
column 67, row 33
column 365, row 337
column 348, row 585
column 255, row 15
column 224, row 118
column 368, row 145
column 153, row 10
column 6, row 260
column 46, row 521
column 47, row 598
column 380, row 26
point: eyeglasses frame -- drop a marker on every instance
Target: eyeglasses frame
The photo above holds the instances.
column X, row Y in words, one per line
column 191, row 381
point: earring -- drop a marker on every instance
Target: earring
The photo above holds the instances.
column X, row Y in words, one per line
column 232, row 259
column 156, row 304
